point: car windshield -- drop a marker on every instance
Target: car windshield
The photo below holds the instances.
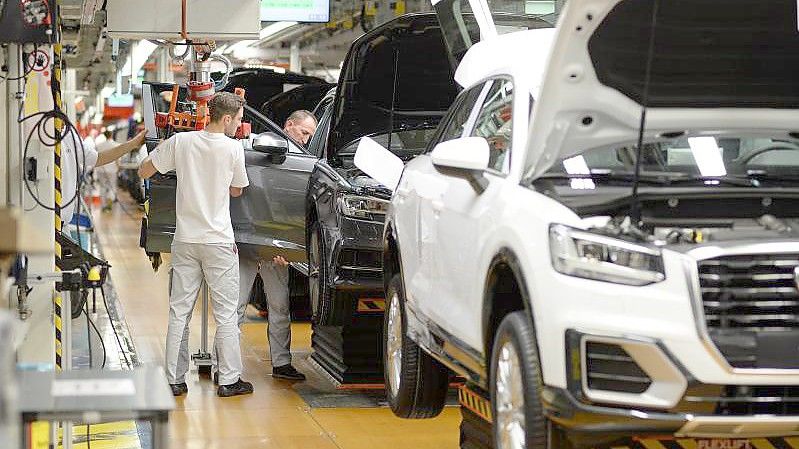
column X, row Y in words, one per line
column 751, row 160
column 406, row 144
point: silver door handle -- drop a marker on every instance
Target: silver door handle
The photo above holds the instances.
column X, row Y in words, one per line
column 438, row 205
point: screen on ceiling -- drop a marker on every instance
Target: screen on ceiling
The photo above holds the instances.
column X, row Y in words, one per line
column 295, row 10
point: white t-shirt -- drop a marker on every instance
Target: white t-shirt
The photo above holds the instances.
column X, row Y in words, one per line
column 70, row 171
column 207, row 165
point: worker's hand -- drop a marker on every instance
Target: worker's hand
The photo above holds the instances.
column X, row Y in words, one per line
column 280, row 261
column 139, row 139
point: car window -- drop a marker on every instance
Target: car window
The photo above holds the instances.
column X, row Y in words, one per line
column 319, row 138
column 460, row 113
column 495, row 123
column 261, row 124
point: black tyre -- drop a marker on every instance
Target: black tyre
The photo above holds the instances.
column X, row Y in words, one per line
column 326, row 310
column 516, row 384
column 416, row 383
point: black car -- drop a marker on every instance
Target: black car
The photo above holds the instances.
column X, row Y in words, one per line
column 263, row 84
column 307, row 96
column 396, row 84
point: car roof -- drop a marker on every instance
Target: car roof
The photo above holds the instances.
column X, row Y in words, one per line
column 523, row 55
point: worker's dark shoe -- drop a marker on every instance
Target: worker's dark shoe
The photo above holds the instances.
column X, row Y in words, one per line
column 236, row 389
column 179, row 389
column 287, row 372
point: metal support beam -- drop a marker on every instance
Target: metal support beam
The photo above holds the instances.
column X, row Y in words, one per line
column 295, row 63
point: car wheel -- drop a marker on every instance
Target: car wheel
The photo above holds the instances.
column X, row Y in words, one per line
column 516, row 384
column 416, row 383
column 326, row 310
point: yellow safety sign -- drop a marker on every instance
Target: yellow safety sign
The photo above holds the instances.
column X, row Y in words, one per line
column 371, row 305
column 475, row 403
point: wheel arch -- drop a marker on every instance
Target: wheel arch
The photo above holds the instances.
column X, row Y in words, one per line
column 505, row 292
column 392, row 262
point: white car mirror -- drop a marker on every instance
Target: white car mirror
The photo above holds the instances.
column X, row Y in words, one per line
column 380, row 164
column 466, row 153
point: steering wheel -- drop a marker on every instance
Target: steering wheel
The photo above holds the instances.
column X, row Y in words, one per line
column 781, row 146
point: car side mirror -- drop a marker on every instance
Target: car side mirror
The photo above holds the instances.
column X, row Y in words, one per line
column 270, row 143
column 466, row 158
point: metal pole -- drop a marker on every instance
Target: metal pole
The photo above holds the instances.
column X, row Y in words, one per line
column 204, row 340
column 67, row 359
column 295, row 64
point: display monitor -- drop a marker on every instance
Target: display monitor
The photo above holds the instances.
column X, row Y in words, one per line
column 295, row 10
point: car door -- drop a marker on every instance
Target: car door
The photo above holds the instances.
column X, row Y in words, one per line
column 466, row 22
column 419, row 192
column 462, row 216
column 269, row 217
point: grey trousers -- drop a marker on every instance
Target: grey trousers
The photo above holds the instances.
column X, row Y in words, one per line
column 276, row 286
column 218, row 265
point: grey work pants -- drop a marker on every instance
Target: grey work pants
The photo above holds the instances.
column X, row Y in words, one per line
column 276, row 286
column 218, row 265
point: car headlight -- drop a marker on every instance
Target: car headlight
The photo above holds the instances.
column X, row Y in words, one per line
column 363, row 207
column 593, row 256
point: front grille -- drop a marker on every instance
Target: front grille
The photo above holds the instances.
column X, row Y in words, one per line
column 751, row 305
column 610, row 368
column 363, row 264
column 738, row 400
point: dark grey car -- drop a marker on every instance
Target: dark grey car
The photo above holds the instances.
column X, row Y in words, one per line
column 268, row 219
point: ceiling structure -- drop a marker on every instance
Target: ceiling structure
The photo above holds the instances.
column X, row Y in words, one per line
column 322, row 46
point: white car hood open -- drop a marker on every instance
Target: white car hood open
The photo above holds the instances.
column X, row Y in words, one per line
column 717, row 65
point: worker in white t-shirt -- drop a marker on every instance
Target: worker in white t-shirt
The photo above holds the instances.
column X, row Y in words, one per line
column 106, row 176
column 210, row 169
column 77, row 160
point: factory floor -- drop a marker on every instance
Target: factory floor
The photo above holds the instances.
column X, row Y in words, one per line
column 278, row 414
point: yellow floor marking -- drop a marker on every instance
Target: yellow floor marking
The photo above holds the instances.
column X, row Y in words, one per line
column 115, row 435
column 652, row 444
column 761, row 443
column 792, row 441
column 687, row 443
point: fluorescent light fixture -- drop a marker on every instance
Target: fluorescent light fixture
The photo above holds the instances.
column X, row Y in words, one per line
column 577, row 166
column 707, row 155
column 239, row 49
column 275, row 28
column 141, row 52
column 238, row 46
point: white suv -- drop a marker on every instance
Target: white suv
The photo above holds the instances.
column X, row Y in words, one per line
column 598, row 289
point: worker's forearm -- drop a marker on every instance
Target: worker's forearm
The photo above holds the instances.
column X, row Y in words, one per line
column 147, row 169
column 112, row 154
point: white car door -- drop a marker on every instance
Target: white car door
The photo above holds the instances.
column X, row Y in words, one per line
column 463, row 217
column 419, row 192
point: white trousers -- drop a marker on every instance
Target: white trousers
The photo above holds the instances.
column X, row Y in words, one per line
column 276, row 286
column 218, row 265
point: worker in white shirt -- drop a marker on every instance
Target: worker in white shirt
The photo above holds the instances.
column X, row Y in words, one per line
column 210, row 169
column 77, row 160
column 106, row 176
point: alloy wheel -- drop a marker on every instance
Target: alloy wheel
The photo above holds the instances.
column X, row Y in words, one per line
column 394, row 344
column 510, row 419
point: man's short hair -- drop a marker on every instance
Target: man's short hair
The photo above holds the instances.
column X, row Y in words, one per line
column 300, row 115
column 224, row 103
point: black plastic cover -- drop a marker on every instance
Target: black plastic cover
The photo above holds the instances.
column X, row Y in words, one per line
column 708, row 53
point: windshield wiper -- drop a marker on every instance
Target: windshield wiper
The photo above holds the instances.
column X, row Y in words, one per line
column 608, row 176
column 657, row 178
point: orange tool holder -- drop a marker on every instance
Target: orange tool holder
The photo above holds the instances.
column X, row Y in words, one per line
column 200, row 93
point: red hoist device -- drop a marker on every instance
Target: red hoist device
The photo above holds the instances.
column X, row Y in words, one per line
column 200, row 87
